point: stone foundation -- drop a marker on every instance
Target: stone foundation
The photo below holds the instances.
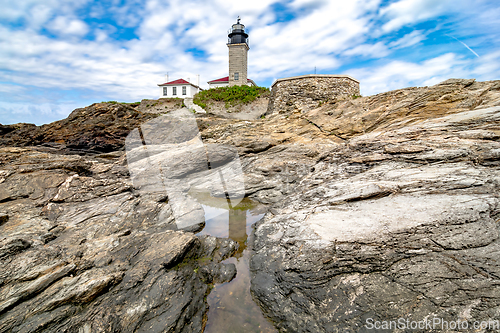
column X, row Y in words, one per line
column 307, row 92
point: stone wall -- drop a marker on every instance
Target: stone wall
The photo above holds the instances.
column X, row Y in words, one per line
column 307, row 92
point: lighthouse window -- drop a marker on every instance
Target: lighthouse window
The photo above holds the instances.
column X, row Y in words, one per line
column 236, row 76
column 174, row 90
column 165, row 93
column 184, row 90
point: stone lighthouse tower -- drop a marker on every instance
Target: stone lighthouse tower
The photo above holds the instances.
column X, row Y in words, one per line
column 238, row 50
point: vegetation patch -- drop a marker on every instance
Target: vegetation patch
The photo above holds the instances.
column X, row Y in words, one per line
column 231, row 96
column 115, row 102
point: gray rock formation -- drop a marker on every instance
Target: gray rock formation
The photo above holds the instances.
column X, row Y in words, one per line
column 393, row 224
column 86, row 252
column 380, row 208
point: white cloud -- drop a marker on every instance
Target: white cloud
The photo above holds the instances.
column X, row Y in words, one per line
column 324, row 34
column 317, row 39
column 68, row 26
column 34, row 113
column 488, row 66
column 11, row 89
column 132, row 69
column 397, row 74
column 36, row 9
column 406, row 12
column 407, row 40
column 377, row 50
column 39, row 15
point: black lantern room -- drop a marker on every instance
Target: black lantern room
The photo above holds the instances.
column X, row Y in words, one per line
column 237, row 34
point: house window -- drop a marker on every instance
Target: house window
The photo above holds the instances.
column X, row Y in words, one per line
column 184, row 90
column 236, row 76
column 174, row 91
column 165, row 92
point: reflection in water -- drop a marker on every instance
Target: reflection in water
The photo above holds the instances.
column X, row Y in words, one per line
column 232, row 308
column 238, row 226
column 235, row 223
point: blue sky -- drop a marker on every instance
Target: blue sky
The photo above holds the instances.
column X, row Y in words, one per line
column 58, row 55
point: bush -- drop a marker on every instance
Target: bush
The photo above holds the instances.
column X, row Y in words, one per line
column 230, row 95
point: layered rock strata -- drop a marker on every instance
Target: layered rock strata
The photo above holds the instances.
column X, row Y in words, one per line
column 380, row 207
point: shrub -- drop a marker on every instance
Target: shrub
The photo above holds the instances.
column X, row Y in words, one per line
column 231, row 96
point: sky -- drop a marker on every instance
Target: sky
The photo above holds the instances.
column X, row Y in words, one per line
column 58, row 55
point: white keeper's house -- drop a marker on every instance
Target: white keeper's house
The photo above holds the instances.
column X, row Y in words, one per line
column 179, row 88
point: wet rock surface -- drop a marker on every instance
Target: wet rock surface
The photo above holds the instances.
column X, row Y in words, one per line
column 380, row 207
column 84, row 251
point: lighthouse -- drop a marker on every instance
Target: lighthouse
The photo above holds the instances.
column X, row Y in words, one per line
column 238, row 54
column 238, row 51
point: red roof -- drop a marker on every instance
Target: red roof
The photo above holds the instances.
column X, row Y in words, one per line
column 222, row 79
column 226, row 79
column 177, row 82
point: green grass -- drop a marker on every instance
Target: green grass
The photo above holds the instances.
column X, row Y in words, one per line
column 115, row 102
column 231, row 96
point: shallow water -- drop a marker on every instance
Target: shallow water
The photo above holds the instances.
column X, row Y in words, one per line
column 231, row 307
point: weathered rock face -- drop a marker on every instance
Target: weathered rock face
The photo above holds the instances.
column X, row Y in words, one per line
column 400, row 222
column 99, row 128
column 249, row 111
column 400, row 108
column 395, row 224
column 381, row 207
column 81, row 249
column 160, row 105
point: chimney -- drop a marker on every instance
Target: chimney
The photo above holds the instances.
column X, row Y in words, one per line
column 189, row 80
column 166, row 78
column 198, row 80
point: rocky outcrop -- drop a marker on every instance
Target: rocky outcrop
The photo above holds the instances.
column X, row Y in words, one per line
column 394, row 224
column 403, row 107
column 99, row 128
column 246, row 111
column 380, row 207
column 158, row 106
column 82, row 250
